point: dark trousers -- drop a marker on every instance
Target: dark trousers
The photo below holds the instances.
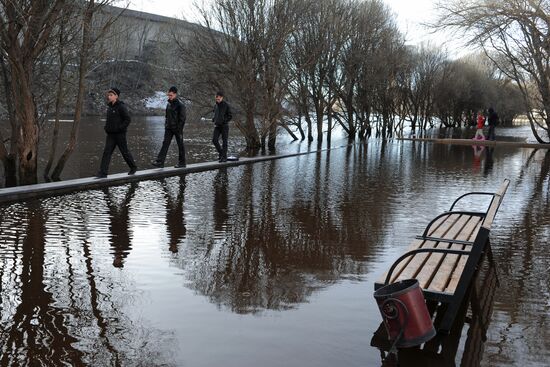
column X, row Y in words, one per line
column 491, row 135
column 222, row 130
column 168, row 135
column 114, row 140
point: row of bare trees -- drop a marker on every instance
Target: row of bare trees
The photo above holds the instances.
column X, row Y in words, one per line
column 306, row 66
column 514, row 34
column 310, row 65
column 45, row 50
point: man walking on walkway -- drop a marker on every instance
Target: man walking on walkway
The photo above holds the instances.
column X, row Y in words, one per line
column 222, row 116
column 116, row 125
column 493, row 121
column 173, row 127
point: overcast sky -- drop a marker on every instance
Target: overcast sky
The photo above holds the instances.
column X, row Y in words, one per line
column 410, row 14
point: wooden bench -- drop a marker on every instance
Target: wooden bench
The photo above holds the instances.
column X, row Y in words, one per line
column 445, row 257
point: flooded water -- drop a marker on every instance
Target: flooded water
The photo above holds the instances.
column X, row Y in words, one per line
column 271, row 264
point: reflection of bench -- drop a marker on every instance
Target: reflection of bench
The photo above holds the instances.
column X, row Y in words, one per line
column 445, row 257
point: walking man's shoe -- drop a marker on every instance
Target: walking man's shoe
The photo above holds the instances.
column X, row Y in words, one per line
column 100, row 175
column 180, row 165
column 157, row 164
column 132, row 171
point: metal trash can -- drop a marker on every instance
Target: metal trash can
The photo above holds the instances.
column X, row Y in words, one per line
column 405, row 314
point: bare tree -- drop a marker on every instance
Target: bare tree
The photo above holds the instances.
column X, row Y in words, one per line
column 514, row 35
column 25, row 29
column 89, row 38
column 313, row 50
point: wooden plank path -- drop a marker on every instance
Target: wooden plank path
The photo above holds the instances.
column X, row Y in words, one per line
column 495, row 143
column 13, row 194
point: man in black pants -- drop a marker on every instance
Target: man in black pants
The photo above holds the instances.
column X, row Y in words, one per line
column 493, row 121
column 116, row 124
column 222, row 116
column 173, row 127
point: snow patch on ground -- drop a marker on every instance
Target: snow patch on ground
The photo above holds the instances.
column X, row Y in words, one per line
column 157, row 101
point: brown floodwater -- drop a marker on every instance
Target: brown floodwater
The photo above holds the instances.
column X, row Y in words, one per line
column 270, row 264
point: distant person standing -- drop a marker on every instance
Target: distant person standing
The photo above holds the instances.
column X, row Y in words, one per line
column 116, row 125
column 493, row 121
column 222, row 116
column 173, row 127
column 480, row 123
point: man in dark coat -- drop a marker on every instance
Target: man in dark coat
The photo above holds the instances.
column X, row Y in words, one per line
column 493, row 121
column 116, row 125
column 222, row 116
column 173, row 127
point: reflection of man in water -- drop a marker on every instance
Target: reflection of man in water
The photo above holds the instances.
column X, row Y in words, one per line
column 220, row 199
column 175, row 219
column 120, row 218
column 488, row 160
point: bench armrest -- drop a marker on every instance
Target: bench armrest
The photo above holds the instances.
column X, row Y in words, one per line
column 469, row 194
column 421, row 250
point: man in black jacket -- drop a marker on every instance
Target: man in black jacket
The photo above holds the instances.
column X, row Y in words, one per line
column 493, row 121
column 116, row 124
column 222, row 116
column 173, row 127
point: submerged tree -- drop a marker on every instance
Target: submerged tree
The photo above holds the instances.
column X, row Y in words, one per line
column 25, row 29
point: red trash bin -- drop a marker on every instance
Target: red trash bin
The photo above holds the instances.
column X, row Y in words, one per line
column 405, row 314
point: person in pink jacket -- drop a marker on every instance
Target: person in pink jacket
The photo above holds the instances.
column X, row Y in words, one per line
column 480, row 123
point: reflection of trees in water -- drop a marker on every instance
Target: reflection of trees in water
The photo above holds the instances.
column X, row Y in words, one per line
column 281, row 237
column 524, row 258
column 36, row 325
column 58, row 306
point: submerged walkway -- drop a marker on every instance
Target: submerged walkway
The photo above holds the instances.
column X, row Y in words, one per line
column 49, row 189
column 517, row 144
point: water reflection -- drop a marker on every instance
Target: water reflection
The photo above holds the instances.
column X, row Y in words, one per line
column 175, row 219
column 36, row 325
column 274, row 256
column 119, row 214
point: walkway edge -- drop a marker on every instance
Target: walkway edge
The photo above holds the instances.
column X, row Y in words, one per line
column 19, row 193
column 478, row 142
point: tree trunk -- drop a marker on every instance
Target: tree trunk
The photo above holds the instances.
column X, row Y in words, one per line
column 82, row 70
column 26, row 115
column 300, row 129
column 272, row 136
column 58, row 102
column 285, row 126
column 309, row 127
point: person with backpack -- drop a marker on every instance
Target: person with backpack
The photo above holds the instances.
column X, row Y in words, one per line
column 493, row 121
column 116, row 125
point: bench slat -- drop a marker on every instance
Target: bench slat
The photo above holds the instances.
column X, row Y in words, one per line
column 414, row 245
column 418, row 260
column 432, row 266
column 449, row 265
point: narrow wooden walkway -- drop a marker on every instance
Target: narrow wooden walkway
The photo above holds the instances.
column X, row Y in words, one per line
column 13, row 194
column 496, row 143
